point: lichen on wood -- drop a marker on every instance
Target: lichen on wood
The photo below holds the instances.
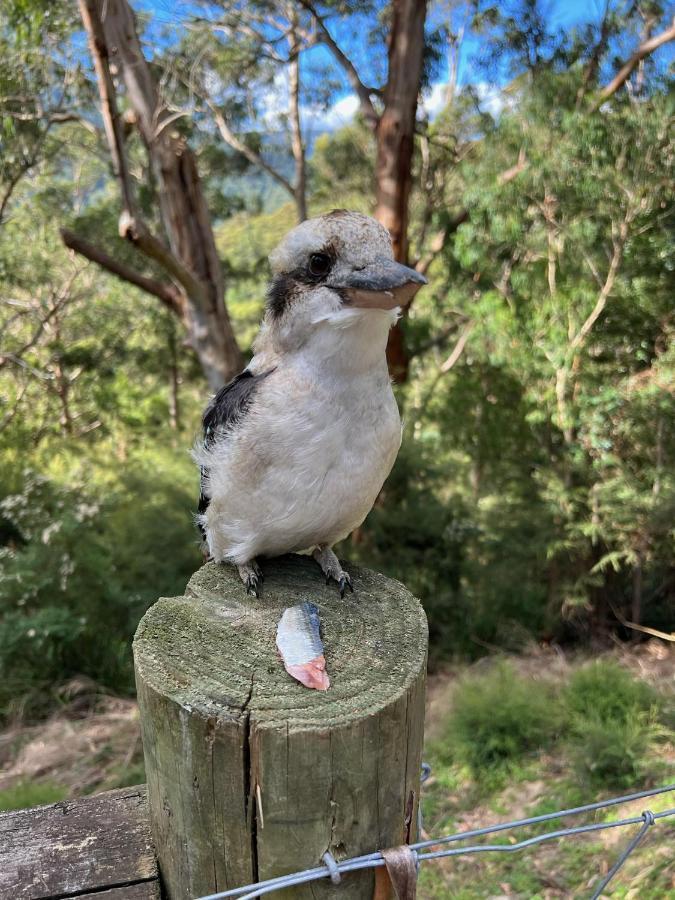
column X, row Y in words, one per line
column 249, row 773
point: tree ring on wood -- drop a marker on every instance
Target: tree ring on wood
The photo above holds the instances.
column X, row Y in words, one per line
column 249, row 773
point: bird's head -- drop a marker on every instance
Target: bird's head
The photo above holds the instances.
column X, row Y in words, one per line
column 337, row 269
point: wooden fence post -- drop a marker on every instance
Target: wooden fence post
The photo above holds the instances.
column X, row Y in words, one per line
column 250, row 774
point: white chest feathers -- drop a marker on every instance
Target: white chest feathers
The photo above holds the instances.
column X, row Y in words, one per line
column 304, row 465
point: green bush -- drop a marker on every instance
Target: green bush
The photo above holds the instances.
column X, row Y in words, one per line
column 498, row 718
column 605, row 690
column 82, row 558
column 612, row 721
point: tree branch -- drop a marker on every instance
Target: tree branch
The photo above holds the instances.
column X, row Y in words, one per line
column 150, row 123
column 297, row 143
column 625, row 71
column 167, row 293
column 457, row 349
column 605, row 290
column 10, row 415
column 439, row 240
column 254, row 158
column 134, row 230
column 515, row 170
column 654, row 632
column 593, row 64
column 449, row 363
column 360, row 89
column 112, row 122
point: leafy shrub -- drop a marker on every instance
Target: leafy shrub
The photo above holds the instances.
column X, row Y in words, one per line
column 605, row 690
column 613, row 752
column 613, row 720
column 80, row 562
column 498, row 718
column 418, row 536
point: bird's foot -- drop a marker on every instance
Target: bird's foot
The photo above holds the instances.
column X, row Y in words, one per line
column 331, row 568
column 252, row 576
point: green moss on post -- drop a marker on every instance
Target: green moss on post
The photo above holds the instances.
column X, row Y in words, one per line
column 252, row 775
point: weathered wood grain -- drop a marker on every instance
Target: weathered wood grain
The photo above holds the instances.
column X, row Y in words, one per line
column 142, row 890
column 250, row 774
column 76, row 848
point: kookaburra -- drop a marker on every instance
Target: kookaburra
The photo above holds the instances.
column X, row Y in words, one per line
column 297, row 447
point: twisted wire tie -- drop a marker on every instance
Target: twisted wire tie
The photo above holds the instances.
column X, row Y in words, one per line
column 332, row 867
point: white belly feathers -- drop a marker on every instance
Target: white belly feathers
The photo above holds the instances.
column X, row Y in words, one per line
column 304, row 465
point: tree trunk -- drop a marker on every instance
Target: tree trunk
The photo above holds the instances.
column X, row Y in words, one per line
column 395, row 144
column 297, row 144
column 192, row 260
column 636, row 602
column 174, row 382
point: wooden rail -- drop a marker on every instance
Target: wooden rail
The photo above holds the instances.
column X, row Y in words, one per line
column 94, row 847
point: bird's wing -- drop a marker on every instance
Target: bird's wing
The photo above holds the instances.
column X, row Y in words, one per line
column 226, row 409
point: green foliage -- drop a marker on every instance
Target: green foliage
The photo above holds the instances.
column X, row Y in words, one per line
column 612, row 753
column 604, row 721
column 535, row 490
column 613, row 720
column 604, row 690
column 81, row 563
column 498, row 718
column 31, row 793
column 414, row 535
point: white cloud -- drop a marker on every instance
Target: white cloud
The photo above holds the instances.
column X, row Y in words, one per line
column 490, row 98
column 273, row 100
column 434, row 100
column 337, row 115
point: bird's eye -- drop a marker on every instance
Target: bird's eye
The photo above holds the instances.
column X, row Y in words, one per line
column 319, row 264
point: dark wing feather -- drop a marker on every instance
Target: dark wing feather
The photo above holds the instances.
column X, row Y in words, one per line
column 226, row 409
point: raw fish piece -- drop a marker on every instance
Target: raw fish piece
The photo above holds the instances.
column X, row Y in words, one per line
column 299, row 643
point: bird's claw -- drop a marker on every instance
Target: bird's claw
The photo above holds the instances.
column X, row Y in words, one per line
column 254, row 584
column 344, row 582
column 331, row 568
column 252, row 576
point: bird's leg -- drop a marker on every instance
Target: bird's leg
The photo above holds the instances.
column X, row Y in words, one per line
column 252, row 576
column 331, row 568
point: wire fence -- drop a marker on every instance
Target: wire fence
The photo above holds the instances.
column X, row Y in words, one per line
column 422, row 851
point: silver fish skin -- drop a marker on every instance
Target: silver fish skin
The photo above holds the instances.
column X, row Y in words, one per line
column 299, row 643
column 298, row 634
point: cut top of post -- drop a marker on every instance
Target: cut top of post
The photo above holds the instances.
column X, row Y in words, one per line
column 214, row 652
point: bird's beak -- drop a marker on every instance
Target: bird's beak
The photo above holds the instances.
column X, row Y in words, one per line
column 384, row 284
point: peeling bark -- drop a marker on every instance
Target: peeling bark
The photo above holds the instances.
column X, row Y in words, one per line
column 191, row 257
column 395, row 144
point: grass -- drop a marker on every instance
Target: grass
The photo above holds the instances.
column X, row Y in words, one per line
column 31, row 793
column 512, row 746
column 498, row 720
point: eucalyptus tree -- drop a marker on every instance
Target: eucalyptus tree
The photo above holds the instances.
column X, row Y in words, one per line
column 246, row 55
column 235, row 68
column 40, row 89
column 563, row 272
column 192, row 286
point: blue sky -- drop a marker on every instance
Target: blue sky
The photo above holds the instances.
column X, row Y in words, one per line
column 561, row 14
